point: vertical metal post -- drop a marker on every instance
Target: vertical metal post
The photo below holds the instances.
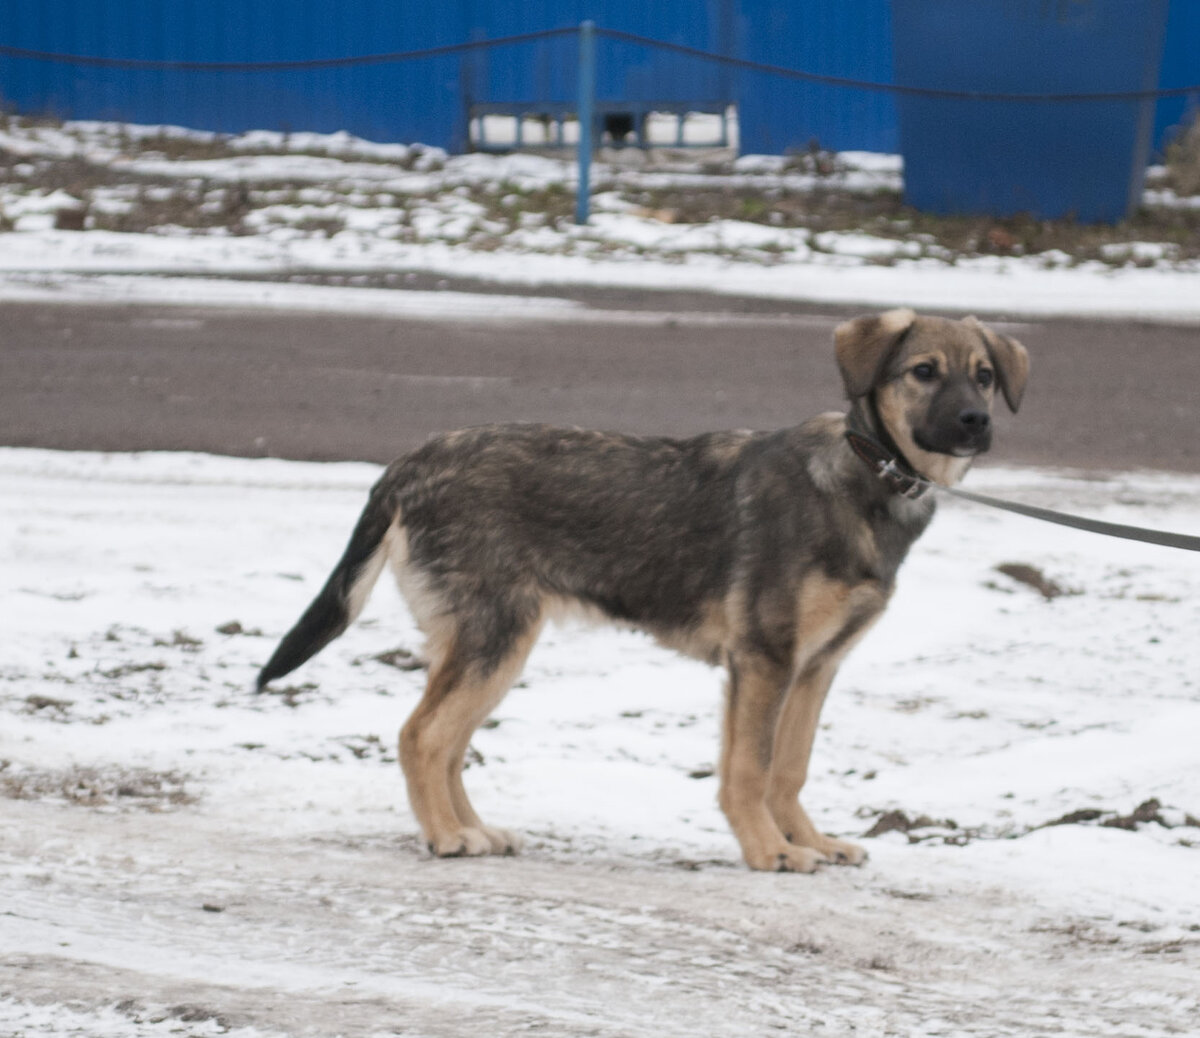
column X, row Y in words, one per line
column 587, row 116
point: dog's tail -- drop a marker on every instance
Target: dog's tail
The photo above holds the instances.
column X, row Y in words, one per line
column 345, row 592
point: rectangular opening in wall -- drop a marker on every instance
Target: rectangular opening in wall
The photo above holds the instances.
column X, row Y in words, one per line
column 516, row 128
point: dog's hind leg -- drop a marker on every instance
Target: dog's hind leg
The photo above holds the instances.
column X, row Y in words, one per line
column 463, row 689
column 502, row 841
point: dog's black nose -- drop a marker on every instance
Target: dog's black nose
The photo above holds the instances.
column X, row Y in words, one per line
column 974, row 421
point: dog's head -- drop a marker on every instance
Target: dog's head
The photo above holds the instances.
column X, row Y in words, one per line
column 931, row 382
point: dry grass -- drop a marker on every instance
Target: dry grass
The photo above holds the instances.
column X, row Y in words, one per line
column 1183, row 160
column 949, row 238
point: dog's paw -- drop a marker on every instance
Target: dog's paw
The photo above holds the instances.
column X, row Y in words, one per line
column 840, row 852
column 474, row 842
column 462, row 843
column 786, row 857
column 503, row 841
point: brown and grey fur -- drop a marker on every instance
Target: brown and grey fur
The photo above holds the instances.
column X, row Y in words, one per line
column 770, row 553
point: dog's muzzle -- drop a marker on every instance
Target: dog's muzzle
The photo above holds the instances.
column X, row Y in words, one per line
column 970, row 433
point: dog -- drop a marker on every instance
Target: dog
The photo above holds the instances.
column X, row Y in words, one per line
column 770, row 553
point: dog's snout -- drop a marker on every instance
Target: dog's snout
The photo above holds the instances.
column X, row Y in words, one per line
column 974, row 420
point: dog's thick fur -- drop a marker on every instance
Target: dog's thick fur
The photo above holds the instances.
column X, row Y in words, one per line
column 768, row 552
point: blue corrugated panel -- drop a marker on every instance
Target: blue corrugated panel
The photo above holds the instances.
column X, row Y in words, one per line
column 412, row 101
column 846, row 38
column 625, row 72
column 1180, row 68
column 428, row 100
column 1054, row 159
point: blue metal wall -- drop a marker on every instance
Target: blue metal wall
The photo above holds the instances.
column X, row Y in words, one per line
column 424, row 100
column 427, row 100
column 1050, row 159
column 847, row 38
column 624, row 71
column 1180, row 68
column 415, row 101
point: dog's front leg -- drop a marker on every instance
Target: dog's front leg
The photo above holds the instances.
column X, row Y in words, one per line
column 756, row 689
column 794, row 733
column 835, row 616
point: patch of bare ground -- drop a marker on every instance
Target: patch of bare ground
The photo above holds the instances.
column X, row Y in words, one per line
column 920, row 828
column 883, row 214
column 1033, row 577
column 97, row 786
column 1147, row 812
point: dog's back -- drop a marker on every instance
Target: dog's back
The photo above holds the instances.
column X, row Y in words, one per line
column 640, row 529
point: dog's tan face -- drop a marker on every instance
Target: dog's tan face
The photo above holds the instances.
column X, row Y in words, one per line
column 933, row 383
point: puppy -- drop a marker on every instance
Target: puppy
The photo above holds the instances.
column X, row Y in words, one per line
column 770, row 553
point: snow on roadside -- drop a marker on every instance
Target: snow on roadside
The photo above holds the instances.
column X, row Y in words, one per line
column 335, row 203
column 116, row 289
column 59, row 265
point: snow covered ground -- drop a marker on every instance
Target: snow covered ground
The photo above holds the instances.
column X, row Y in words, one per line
column 168, row 201
column 181, row 856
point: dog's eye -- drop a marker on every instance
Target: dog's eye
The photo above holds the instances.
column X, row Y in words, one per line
column 924, row 372
column 985, row 377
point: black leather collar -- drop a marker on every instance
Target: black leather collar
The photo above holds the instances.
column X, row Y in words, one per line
column 899, row 477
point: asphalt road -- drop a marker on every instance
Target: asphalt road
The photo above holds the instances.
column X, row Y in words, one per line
column 1103, row 395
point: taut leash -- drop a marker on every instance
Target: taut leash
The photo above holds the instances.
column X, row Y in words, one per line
column 903, row 480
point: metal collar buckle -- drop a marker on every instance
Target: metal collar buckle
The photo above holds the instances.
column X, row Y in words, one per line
column 900, row 482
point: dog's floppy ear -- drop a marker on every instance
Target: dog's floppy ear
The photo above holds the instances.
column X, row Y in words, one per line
column 864, row 344
column 1010, row 358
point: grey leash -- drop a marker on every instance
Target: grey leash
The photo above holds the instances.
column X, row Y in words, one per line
column 1129, row 533
column 903, row 480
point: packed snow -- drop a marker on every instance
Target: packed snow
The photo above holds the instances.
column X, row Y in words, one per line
column 178, row 852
